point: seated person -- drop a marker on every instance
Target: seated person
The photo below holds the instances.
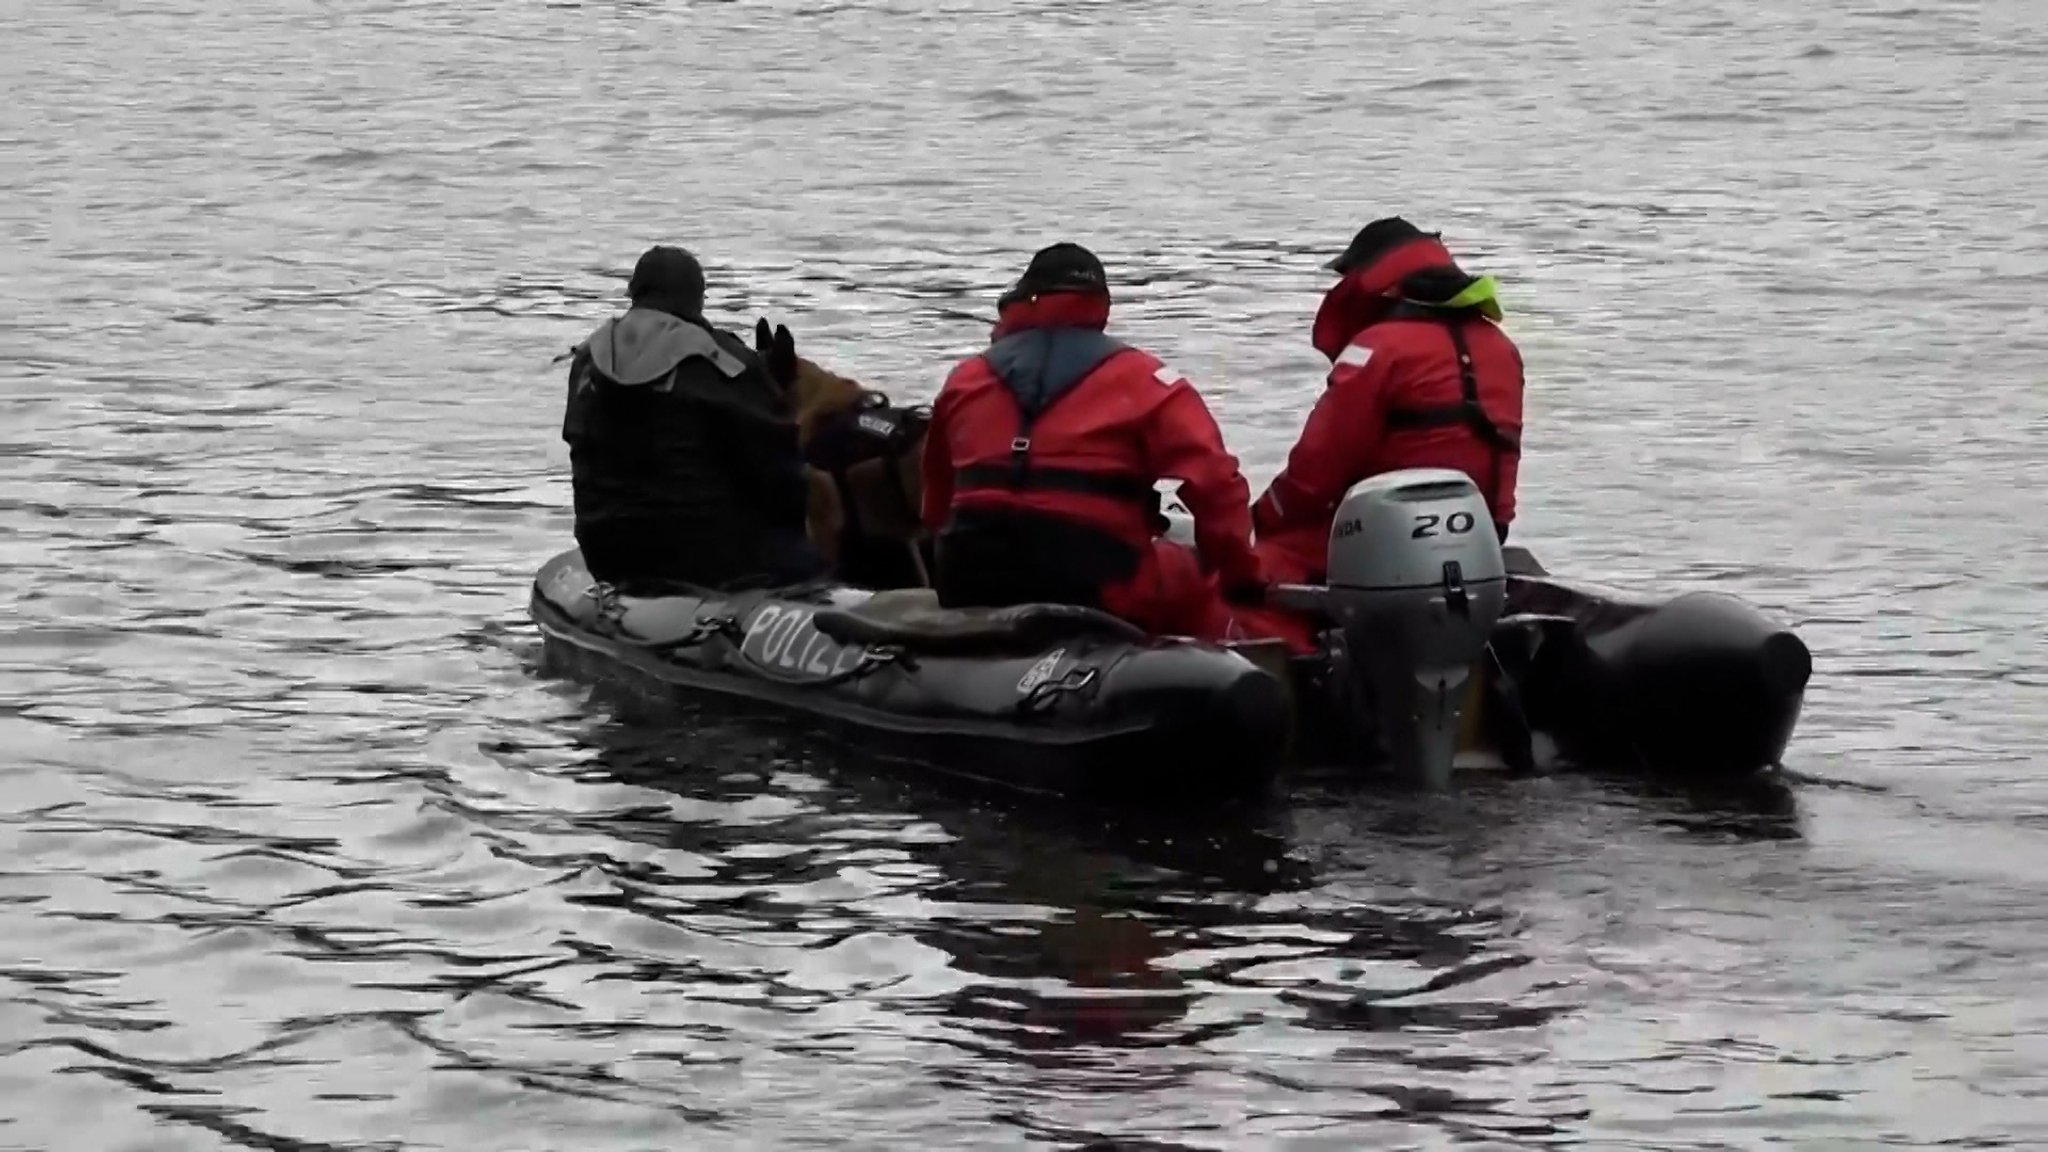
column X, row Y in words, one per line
column 683, row 448
column 1041, row 457
column 1421, row 376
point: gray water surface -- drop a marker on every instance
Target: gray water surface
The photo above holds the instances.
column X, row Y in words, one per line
column 299, row 853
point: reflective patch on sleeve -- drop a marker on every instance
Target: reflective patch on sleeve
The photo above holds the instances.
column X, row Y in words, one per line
column 1167, row 376
column 1355, row 356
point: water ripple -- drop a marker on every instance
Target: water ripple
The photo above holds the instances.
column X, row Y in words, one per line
column 299, row 853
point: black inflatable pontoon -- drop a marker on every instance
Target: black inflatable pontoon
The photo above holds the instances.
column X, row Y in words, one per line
column 1041, row 698
column 1700, row 685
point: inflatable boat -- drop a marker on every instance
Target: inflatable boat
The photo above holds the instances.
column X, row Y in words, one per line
column 1436, row 641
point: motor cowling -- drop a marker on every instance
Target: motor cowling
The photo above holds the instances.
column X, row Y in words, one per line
column 1416, row 583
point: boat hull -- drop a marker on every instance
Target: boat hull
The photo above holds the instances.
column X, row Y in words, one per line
column 1063, row 705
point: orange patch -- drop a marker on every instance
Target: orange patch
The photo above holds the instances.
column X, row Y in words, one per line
column 821, row 395
column 887, row 505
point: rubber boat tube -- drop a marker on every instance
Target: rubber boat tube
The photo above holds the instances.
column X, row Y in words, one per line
column 1042, row 698
column 1702, row 684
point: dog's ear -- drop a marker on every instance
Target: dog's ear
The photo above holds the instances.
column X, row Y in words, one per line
column 762, row 338
column 780, row 356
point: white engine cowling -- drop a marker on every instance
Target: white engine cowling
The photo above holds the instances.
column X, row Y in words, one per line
column 1416, row 582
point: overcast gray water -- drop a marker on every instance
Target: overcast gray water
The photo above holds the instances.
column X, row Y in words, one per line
column 298, row 852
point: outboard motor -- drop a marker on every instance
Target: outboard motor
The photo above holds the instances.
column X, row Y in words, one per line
column 1416, row 582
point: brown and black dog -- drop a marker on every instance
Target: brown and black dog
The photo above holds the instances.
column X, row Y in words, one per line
column 865, row 455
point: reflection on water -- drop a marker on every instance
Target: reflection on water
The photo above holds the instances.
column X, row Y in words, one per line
column 298, row 851
column 1050, row 958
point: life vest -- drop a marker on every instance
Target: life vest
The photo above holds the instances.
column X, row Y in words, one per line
column 1068, row 367
column 1467, row 412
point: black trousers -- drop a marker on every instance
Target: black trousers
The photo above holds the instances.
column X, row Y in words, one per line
column 988, row 559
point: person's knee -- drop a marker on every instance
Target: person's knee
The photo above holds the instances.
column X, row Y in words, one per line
column 1171, row 595
column 1176, row 571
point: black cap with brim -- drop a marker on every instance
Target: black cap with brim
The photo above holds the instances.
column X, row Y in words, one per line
column 1059, row 268
column 1375, row 240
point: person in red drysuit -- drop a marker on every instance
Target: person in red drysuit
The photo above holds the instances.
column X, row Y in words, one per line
column 1040, row 462
column 1421, row 376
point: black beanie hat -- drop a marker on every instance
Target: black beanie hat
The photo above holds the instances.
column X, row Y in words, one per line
column 668, row 275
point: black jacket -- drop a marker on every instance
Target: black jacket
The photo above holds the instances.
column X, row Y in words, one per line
column 684, row 456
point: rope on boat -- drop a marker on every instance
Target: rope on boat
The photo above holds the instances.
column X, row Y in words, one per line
column 1041, row 696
